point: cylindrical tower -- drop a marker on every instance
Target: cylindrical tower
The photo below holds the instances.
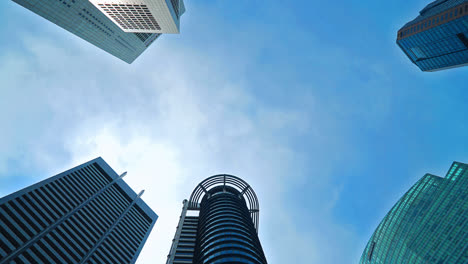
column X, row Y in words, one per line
column 219, row 224
column 226, row 233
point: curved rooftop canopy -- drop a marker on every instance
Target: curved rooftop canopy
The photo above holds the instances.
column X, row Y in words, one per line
column 227, row 180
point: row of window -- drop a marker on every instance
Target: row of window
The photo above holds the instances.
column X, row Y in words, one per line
column 449, row 60
column 229, row 246
column 94, row 24
column 175, row 6
column 124, row 240
column 228, row 233
column 434, row 21
column 131, row 16
column 186, row 243
column 143, row 36
column 97, row 19
column 152, row 39
column 439, row 48
column 232, row 256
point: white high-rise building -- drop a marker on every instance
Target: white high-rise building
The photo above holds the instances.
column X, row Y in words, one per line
column 143, row 16
column 83, row 19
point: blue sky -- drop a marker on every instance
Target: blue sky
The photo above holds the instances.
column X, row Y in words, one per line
column 310, row 102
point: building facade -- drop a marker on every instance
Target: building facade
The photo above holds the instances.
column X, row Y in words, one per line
column 429, row 224
column 83, row 19
column 438, row 38
column 87, row 214
column 218, row 224
column 144, row 16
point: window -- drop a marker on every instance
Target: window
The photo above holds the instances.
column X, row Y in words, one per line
column 418, row 53
column 175, row 5
column 371, row 251
column 463, row 39
column 131, row 16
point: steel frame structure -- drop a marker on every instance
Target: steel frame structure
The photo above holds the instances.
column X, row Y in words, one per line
column 227, row 180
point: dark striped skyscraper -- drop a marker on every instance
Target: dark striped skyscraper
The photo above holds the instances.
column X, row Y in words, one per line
column 438, row 38
column 219, row 224
column 428, row 225
column 84, row 215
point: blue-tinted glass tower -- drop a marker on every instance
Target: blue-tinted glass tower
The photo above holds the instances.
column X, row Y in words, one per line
column 428, row 225
column 83, row 19
column 84, row 215
column 219, row 224
column 438, row 38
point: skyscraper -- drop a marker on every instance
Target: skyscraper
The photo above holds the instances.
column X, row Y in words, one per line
column 438, row 38
column 429, row 224
column 218, row 224
column 83, row 19
column 87, row 214
column 145, row 16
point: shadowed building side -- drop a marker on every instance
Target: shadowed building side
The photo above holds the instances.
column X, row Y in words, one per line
column 87, row 214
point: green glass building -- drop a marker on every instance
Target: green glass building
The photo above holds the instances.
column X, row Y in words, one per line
column 429, row 224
